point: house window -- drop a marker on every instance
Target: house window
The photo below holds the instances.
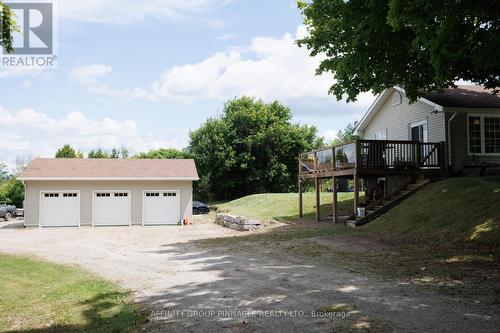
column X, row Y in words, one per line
column 382, row 135
column 396, row 98
column 492, row 135
column 475, row 135
column 484, row 134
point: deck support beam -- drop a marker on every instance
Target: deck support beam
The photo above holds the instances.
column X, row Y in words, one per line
column 318, row 202
column 301, row 211
column 335, row 210
column 356, row 193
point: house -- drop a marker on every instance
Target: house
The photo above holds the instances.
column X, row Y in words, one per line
column 467, row 118
column 108, row 192
column 405, row 145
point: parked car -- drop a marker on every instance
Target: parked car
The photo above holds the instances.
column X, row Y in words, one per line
column 200, row 208
column 7, row 211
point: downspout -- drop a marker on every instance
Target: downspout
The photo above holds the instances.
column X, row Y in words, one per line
column 449, row 137
column 24, row 202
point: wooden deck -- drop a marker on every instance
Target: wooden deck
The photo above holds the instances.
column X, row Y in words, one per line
column 369, row 158
column 372, row 158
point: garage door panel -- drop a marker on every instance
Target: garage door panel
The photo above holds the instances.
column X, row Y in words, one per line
column 59, row 208
column 111, row 208
column 161, row 207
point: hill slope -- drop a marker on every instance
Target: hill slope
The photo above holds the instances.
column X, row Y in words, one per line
column 462, row 209
column 454, row 210
column 284, row 206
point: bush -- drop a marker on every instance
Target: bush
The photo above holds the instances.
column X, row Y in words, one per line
column 12, row 191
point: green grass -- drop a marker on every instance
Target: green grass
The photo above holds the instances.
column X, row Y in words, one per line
column 457, row 210
column 285, row 206
column 38, row 296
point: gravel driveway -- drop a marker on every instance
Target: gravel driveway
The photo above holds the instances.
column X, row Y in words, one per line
column 265, row 291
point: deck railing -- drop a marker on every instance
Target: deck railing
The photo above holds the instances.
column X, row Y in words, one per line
column 374, row 154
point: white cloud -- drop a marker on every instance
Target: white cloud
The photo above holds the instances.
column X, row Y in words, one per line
column 330, row 135
column 90, row 73
column 35, row 133
column 91, row 77
column 126, row 11
column 269, row 68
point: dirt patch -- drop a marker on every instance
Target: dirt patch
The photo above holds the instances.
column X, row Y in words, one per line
column 206, row 278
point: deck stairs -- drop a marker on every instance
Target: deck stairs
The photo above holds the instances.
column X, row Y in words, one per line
column 383, row 205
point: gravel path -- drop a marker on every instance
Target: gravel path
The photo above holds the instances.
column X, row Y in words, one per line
column 193, row 288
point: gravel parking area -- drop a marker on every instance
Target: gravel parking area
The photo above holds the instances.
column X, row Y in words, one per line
column 188, row 287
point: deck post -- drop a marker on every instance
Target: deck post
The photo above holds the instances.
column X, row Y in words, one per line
column 335, row 211
column 301, row 212
column 356, row 193
column 318, row 203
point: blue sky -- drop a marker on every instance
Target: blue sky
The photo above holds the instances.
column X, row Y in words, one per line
column 141, row 74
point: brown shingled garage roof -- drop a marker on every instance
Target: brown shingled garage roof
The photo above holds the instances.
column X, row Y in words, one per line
column 139, row 169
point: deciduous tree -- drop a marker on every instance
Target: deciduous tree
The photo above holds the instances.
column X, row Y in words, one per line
column 12, row 192
column 163, row 153
column 7, row 28
column 67, row 151
column 419, row 44
column 99, row 153
column 252, row 147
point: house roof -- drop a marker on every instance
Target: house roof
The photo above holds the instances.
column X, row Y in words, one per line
column 464, row 96
column 109, row 169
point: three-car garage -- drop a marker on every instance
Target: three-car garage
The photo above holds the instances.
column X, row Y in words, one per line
column 103, row 193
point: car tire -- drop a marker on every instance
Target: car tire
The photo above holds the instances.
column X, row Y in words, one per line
column 195, row 211
column 8, row 216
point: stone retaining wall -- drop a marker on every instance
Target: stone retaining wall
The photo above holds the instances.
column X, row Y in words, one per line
column 240, row 223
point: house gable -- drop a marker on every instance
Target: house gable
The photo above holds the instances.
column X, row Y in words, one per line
column 393, row 119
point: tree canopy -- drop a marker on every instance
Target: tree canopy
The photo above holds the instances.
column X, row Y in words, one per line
column 7, row 28
column 348, row 134
column 67, row 151
column 419, row 44
column 98, row 153
column 163, row 153
column 115, row 153
column 4, row 171
column 252, row 147
column 12, row 192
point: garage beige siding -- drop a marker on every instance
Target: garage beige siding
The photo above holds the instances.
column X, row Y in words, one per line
column 33, row 189
column 395, row 120
column 459, row 137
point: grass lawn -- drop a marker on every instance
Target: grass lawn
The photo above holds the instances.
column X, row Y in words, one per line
column 463, row 210
column 38, row 296
column 284, row 207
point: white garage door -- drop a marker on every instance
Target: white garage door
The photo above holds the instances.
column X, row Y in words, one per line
column 60, row 208
column 161, row 207
column 111, row 208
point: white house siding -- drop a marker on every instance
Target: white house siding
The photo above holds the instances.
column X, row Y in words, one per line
column 395, row 120
column 459, row 133
column 33, row 189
